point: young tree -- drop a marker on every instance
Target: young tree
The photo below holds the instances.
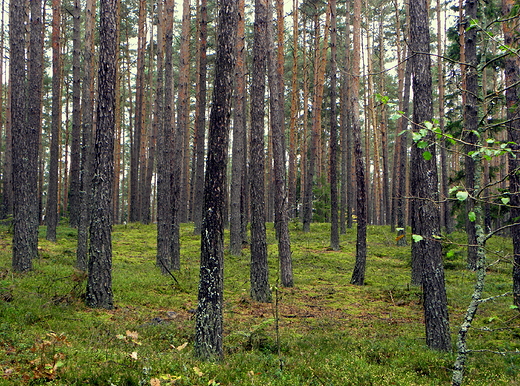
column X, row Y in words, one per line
column 99, row 284
column 208, row 330
column 259, row 268
column 426, row 250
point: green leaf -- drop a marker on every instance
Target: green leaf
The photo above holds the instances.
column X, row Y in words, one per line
column 513, row 307
column 462, row 195
column 399, row 229
column 417, row 137
column 422, row 144
column 505, row 200
column 395, row 116
column 417, row 238
column 427, row 155
column 428, row 125
column 472, row 216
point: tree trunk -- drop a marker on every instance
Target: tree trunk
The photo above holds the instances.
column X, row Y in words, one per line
column 75, row 150
column 259, row 268
column 86, row 138
column 278, row 143
column 292, row 174
column 200, row 116
column 358, row 275
column 25, row 120
column 209, row 326
column 512, row 76
column 239, row 144
column 470, row 126
column 333, row 142
column 52, row 193
column 424, row 188
column 164, row 111
column 99, row 283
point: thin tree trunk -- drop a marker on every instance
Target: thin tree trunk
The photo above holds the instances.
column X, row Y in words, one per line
column 200, row 114
column 86, row 137
column 75, row 150
column 51, row 218
column 358, row 275
column 239, row 145
column 333, row 142
column 291, row 198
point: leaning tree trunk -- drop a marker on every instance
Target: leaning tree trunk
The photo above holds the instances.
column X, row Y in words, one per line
column 99, row 283
column 209, row 329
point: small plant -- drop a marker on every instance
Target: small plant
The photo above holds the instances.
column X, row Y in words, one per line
column 49, row 359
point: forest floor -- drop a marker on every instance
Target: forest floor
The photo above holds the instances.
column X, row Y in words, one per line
column 324, row 331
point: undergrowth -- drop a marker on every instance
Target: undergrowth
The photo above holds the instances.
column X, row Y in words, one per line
column 330, row 332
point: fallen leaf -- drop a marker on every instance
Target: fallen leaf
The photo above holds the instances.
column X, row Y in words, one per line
column 155, row 382
column 132, row 334
column 197, row 371
column 133, row 355
column 182, row 346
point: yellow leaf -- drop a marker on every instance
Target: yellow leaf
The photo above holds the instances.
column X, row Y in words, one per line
column 132, row 334
column 399, row 237
column 182, row 346
column 197, row 371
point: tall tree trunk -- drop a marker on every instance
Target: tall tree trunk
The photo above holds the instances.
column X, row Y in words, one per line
column 276, row 86
column 182, row 133
column 292, row 174
column 99, row 283
column 239, row 148
column 512, row 76
column 259, row 268
column 424, row 188
column 25, row 119
column 135, row 153
column 75, row 150
column 86, row 137
column 209, row 326
column 200, row 114
column 358, row 275
column 52, row 194
column 470, row 126
column 164, row 110
column 334, row 220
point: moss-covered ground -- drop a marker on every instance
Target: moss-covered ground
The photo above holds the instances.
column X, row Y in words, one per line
column 328, row 332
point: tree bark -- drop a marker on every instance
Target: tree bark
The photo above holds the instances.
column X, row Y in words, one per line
column 200, row 116
column 424, row 188
column 333, row 141
column 75, row 149
column 25, row 120
column 209, row 328
column 259, row 268
column 239, row 149
column 358, row 275
column 99, row 283
column 470, row 125
column 51, row 217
